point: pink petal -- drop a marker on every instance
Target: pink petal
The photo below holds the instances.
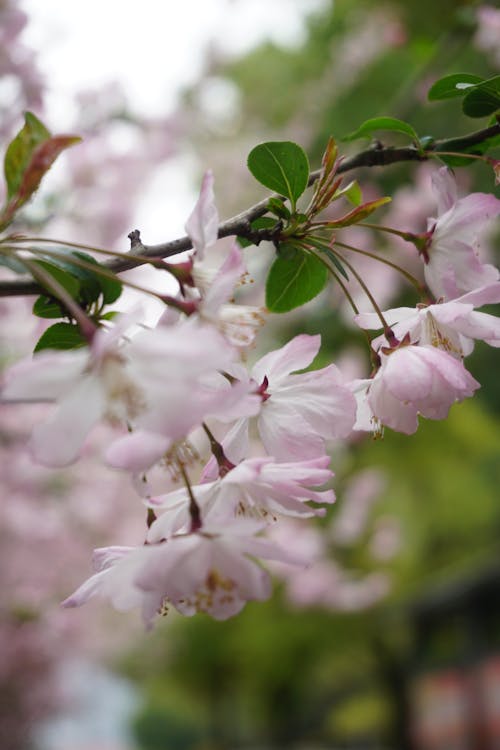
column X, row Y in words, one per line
column 202, row 225
column 57, row 442
column 296, row 355
column 137, row 451
column 445, row 189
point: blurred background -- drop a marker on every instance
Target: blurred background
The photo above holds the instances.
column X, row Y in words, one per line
column 391, row 640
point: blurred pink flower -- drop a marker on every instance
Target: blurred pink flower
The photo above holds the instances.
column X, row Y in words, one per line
column 202, row 225
column 452, row 265
column 209, row 571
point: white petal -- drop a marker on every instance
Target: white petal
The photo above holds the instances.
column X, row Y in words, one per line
column 57, row 442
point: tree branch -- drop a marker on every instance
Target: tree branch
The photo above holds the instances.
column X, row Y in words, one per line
column 375, row 156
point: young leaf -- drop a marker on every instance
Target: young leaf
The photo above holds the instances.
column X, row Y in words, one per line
column 359, row 213
column 293, row 282
column 277, row 207
column 61, row 336
column 41, row 160
column 20, row 150
column 457, row 84
column 382, row 123
column 281, row 166
column 352, row 192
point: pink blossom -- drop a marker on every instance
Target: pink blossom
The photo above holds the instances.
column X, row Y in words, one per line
column 412, row 380
column 451, row 326
column 161, row 382
column 488, row 31
column 202, row 225
column 452, row 265
column 256, row 488
column 298, row 411
column 210, row 571
column 239, row 323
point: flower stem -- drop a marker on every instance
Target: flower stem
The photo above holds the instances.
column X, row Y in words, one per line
column 412, row 279
column 194, row 508
column 388, row 332
column 224, row 464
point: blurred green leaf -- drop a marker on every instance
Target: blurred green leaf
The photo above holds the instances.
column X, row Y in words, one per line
column 12, row 263
column 483, row 100
column 65, row 279
column 294, row 281
column 452, row 86
column 281, row 166
column 92, row 284
column 61, row 336
column 46, row 307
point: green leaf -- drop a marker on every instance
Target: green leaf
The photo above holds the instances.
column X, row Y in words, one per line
column 325, row 248
column 382, row 123
column 46, row 307
column 20, row 151
column 293, row 282
column 281, row 166
column 277, row 207
column 452, row 86
column 483, row 100
column 65, row 279
column 263, row 222
column 111, row 289
column 359, row 213
column 61, row 336
column 92, row 285
column 41, row 159
column 352, row 192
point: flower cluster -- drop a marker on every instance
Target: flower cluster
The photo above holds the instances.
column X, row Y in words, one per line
column 182, row 390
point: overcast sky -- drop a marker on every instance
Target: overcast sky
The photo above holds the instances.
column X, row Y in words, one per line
column 152, row 46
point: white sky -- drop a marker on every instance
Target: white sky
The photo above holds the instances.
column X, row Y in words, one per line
column 153, row 46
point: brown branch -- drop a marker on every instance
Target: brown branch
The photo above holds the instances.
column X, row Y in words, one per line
column 375, row 156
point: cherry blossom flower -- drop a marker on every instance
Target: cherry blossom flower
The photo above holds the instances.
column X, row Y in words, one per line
column 159, row 382
column 412, row 380
column 257, row 488
column 210, row 571
column 299, row 411
column 452, row 265
column 451, row 326
column 239, row 323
